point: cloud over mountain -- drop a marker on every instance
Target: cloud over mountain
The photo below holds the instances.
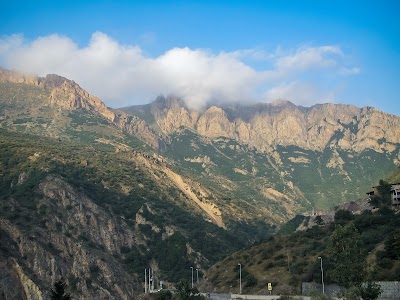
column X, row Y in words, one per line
column 123, row 75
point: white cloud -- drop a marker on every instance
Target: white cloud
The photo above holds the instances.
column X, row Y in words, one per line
column 122, row 75
column 309, row 58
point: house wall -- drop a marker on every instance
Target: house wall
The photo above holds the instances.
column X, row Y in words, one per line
column 390, row 289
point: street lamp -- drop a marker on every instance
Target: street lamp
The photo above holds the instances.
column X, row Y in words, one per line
column 197, row 273
column 322, row 276
column 145, row 281
column 192, row 276
column 240, row 278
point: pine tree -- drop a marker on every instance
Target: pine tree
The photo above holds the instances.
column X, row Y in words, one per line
column 58, row 293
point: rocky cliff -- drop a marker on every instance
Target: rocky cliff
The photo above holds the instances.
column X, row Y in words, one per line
column 281, row 123
column 55, row 249
column 310, row 158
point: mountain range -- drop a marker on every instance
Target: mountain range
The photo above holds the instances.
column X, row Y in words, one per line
column 95, row 194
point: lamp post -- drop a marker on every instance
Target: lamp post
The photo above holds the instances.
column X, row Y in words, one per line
column 240, row 278
column 192, row 275
column 197, row 274
column 322, row 276
column 145, row 281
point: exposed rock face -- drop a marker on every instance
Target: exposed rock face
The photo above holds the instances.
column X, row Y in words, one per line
column 16, row 77
column 68, row 95
column 208, row 207
column 266, row 126
column 56, row 251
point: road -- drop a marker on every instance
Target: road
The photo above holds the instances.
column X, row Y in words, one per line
column 215, row 296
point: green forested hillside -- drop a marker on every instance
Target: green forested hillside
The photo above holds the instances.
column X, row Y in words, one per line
column 130, row 196
column 287, row 260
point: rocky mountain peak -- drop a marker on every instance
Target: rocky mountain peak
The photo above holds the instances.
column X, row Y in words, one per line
column 68, row 95
column 282, row 103
column 266, row 126
column 52, row 81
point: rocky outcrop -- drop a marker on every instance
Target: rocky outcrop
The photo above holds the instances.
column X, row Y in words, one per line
column 31, row 290
column 69, row 95
column 208, row 207
column 58, row 248
column 265, row 126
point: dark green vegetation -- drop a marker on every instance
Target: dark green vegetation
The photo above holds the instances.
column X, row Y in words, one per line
column 383, row 198
column 118, row 184
column 354, row 249
column 58, row 292
column 346, row 254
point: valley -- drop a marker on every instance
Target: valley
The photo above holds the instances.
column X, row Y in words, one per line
column 95, row 194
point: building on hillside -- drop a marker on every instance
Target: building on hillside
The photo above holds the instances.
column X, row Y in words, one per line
column 395, row 193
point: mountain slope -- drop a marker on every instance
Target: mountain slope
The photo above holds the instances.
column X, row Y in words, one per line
column 84, row 196
column 97, row 218
column 168, row 188
column 298, row 158
column 48, row 105
column 287, row 260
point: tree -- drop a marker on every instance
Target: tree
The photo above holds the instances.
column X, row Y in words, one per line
column 392, row 245
column 370, row 291
column 343, row 217
column 319, row 221
column 353, row 293
column 162, row 295
column 183, row 290
column 58, row 293
column 347, row 256
column 383, row 197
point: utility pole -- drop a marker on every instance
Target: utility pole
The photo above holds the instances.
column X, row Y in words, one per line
column 145, row 281
column 240, row 278
column 192, row 275
column 322, row 276
column 152, row 279
column 149, row 280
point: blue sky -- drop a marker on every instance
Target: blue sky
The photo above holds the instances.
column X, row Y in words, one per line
column 128, row 52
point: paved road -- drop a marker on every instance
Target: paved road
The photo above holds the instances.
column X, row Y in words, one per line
column 215, row 296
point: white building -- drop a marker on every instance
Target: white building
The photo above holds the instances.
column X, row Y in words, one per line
column 395, row 193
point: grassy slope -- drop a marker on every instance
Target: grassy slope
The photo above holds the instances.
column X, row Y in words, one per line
column 324, row 187
column 286, row 260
